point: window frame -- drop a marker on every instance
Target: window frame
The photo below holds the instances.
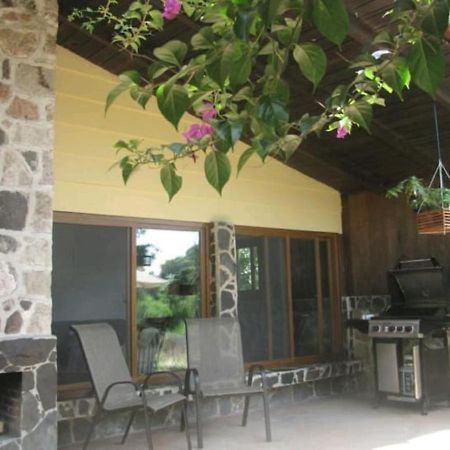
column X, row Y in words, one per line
column 334, row 241
column 75, row 390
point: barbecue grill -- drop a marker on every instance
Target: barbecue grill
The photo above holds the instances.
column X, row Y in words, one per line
column 410, row 342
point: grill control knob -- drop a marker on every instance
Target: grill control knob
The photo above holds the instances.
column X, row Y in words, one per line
column 391, row 328
column 400, row 329
column 408, row 329
column 375, row 328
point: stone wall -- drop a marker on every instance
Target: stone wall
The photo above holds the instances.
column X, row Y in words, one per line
column 224, row 298
column 359, row 345
column 35, row 359
column 27, row 57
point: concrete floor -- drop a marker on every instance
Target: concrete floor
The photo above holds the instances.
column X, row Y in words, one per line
column 337, row 423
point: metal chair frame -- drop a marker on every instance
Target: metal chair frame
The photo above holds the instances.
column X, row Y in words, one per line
column 101, row 410
column 192, row 378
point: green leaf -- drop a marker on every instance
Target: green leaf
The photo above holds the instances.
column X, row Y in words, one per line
column 427, row 64
column 228, row 133
column 246, row 155
column 114, row 93
column 173, row 52
column 397, row 75
column 127, row 168
column 360, row 113
column 173, row 101
column 243, row 23
column 331, row 19
column 437, row 20
column 217, row 170
column 241, row 66
column 204, row 39
column 170, row 180
column 177, row 148
column 272, row 110
column 219, row 69
column 269, row 10
column 130, row 77
column 156, row 69
column 141, row 95
column 312, row 61
column 289, row 144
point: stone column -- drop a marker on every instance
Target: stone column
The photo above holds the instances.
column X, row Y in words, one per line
column 223, row 273
column 27, row 58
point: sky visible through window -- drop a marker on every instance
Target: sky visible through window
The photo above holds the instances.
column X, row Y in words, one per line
column 170, row 244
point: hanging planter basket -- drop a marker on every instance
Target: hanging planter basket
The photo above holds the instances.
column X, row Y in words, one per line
column 434, row 221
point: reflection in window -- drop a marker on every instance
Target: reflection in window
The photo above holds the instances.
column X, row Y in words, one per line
column 168, row 291
column 248, row 268
column 262, row 290
column 89, row 284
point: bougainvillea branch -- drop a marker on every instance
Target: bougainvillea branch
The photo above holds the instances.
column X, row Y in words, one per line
column 232, row 74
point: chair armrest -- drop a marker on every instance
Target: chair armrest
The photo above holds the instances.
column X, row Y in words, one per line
column 187, row 382
column 176, row 377
column 108, row 389
column 257, row 368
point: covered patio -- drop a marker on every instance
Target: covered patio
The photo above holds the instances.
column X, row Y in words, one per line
column 338, row 422
column 295, row 250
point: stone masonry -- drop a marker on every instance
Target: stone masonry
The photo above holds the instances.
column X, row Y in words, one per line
column 27, row 57
column 223, row 276
column 35, row 359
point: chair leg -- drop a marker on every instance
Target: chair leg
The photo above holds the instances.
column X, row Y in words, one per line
column 133, row 413
column 198, row 412
column 184, row 420
column 148, row 431
column 95, row 419
column 245, row 414
column 267, row 417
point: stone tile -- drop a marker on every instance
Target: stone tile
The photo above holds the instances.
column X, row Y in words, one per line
column 64, row 433
column 40, row 322
column 16, row 172
column 45, row 433
column 35, row 81
column 37, row 252
column 37, row 282
column 46, row 385
column 14, row 323
column 5, row 92
column 8, row 244
column 5, row 69
column 13, row 210
column 42, row 214
column 23, row 109
column 18, row 44
column 30, row 412
column 31, row 159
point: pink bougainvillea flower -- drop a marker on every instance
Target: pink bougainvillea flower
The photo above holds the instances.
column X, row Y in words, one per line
column 197, row 131
column 341, row 132
column 171, row 9
column 208, row 112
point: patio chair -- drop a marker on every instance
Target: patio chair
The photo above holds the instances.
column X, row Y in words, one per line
column 114, row 389
column 216, row 367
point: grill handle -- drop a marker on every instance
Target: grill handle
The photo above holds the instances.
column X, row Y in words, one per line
column 433, row 261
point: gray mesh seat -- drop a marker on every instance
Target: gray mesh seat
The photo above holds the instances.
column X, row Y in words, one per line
column 216, row 367
column 113, row 386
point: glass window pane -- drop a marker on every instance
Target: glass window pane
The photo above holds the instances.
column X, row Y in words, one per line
column 304, row 297
column 262, row 297
column 326, row 295
column 168, row 282
column 89, row 284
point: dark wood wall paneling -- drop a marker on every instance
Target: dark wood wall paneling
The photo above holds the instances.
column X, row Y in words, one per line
column 379, row 232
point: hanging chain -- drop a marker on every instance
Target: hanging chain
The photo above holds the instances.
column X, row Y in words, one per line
column 440, row 169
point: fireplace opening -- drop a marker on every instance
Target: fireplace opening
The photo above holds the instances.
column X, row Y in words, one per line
column 10, row 404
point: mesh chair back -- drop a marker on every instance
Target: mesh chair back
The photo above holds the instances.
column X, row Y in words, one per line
column 105, row 360
column 215, row 350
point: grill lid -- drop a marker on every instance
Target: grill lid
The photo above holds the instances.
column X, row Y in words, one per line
column 418, row 285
